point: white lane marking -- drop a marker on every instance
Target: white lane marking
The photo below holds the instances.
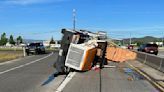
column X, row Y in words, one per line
column 25, row 64
column 65, row 82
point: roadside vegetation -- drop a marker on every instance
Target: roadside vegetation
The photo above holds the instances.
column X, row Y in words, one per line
column 10, row 55
column 4, row 40
column 10, row 49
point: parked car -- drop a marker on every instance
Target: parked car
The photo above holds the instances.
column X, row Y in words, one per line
column 130, row 47
column 35, row 48
column 149, row 48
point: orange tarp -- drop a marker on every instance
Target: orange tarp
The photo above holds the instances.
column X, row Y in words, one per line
column 119, row 54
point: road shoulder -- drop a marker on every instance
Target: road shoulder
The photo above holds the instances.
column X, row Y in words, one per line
column 153, row 73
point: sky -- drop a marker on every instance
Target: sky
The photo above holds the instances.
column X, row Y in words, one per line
column 42, row 19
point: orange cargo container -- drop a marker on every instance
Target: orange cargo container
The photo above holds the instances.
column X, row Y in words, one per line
column 110, row 53
column 80, row 57
column 119, row 54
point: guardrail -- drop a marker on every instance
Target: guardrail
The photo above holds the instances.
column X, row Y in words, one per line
column 151, row 60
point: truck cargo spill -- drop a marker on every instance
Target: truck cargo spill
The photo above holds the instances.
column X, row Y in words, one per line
column 133, row 75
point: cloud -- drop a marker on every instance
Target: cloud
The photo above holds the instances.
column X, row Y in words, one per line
column 29, row 2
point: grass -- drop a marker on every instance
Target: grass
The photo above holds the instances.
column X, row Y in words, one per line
column 52, row 49
column 6, row 56
column 11, row 49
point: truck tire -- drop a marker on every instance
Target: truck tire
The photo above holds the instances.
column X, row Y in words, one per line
column 27, row 53
column 68, row 69
column 36, row 52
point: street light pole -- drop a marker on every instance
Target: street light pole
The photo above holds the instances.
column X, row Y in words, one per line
column 123, row 42
column 162, row 40
column 130, row 39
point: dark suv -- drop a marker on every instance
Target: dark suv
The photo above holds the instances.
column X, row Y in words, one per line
column 149, row 48
column 35, row 48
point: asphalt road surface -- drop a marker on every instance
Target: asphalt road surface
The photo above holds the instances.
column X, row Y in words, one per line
column 28, row 74
column 161, row 54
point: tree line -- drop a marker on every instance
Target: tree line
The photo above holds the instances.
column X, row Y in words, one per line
column 4, row 40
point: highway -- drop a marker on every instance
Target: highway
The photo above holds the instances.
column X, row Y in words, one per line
column 28, row 74
column 112, row 79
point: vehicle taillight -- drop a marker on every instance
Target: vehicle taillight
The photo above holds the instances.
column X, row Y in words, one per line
column 146, row 49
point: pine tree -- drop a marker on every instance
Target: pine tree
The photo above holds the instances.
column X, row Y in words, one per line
column 11, row 40
column 52, row 41
column 3, row 40
column 19, row 40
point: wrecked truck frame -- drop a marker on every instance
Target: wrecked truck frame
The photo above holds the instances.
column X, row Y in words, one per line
column 77, row 37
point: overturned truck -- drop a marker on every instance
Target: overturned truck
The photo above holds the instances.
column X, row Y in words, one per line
column 79, row 49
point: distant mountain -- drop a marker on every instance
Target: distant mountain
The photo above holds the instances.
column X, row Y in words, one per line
column 141, row 40
column 145, row 39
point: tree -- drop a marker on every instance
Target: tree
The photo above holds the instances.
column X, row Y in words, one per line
column 139, row 42
column 11, row 40
column 52, row 41
column 3, row 40
column 19, row 40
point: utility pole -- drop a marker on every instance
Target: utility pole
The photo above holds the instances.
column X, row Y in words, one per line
column 74, row 19
column 162, row 39
column 130, row 42
column 123, row 42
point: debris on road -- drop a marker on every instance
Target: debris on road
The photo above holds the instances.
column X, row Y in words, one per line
column 133, row 75
column 96, row 68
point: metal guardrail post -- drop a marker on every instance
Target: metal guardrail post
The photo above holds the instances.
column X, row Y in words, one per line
column 24, row 51
column 145, row 59
column 160, row 64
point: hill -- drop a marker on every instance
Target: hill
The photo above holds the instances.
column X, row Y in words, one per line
column 145, row 39
column 142, row 40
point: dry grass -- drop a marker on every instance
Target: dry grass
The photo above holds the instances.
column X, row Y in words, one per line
column 6, row 56
column 11, row 49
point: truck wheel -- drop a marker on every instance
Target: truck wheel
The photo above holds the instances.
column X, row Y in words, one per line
column 44, row 52
column 67, row 70
column 27, row 53
column 36, row 52
column 156, row 53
